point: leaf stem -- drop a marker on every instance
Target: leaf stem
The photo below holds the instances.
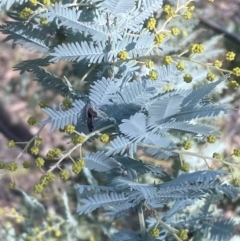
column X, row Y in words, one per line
column 190, row 154
column 142, row 221
column 29, row 143
column 171, row 230
column 68, row 153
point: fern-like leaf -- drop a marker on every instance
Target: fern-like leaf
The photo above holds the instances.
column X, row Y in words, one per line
column 118, row 210
column 126, row 235
column 164, row 106
column 70, row 18
column 102, row 91
column 200, row 112
column 134, row 128
column 221, row 229
column 134, row 46
column 193, row 186
column 185, row 127
column 29, row 65
column 159, row 142
column 27, row 36
column 8, row 3
column 121, row 145
column 60, row 118
column 149, row 7
column 136, row 92
column 79, row 51
column 61, row 12
column 98, row 200
column 117, row 7
column 82, row 188
column 143, row 190
column 133, row 166
column 196, row 96
column 51, row 81
column 100, row 162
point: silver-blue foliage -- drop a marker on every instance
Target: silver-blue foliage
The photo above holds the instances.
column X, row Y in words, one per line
column 141, row 115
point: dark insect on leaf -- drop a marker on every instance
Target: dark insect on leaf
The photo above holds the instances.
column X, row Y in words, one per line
column 90, row 115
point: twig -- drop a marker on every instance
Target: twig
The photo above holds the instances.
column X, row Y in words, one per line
column 142, row 222
column 68, row 153
column 190, row 154
column 169, row 228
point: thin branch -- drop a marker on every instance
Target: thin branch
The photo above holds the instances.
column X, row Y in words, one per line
column 189, row 153
column 171, row 230
column 142, row 222
column 68, row 153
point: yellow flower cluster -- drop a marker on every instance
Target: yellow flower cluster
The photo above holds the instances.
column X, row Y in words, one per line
column 230, row 56
column 32, row 120
column 182, row 234
column 211, row 77
column 26, row 164
column 40, row 162
column 34, row 150
column 25, row 13
column 233, row 84
column 151, row 24
column 187, row 78
column 38, row 188
column 153, row 74
column 149, row 64
column 55, row 153
column 218, row 63
column 159, row 38
column 169, row 10
column 236, row 71
column 211, row 139
column 67, row 103
column 42, row 104
column 12, row 167
column 217, row 155
column 38, row 141
column 197, row 48
column 47, row 178
column 187, row 15
column 185, row 167
column 64, row 175
column 69, row 129
column 33, row 2
column 187, row 145
column 175, row 31
column 155, row 232
column 11, row 144
column 57, row 233
column 47, row 2
column 123, row 55
column 236, row 152
column 77, row 139
column 44, row 181
column 190, row 7
column 43, row 22
column 168, row 60
column 2, row 165
column 235, row 181
column 180, row 66
column 104, row 138
column 78, row 166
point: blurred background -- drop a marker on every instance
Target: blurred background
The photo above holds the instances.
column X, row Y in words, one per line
column 20, row 96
